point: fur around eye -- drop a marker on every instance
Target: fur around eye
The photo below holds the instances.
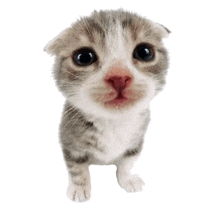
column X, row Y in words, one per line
column 84, row 57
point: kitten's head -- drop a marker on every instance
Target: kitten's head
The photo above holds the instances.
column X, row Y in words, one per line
column 111, row 63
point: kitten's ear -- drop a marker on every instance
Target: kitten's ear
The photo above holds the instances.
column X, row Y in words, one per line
column 57, row 45
column 164, row 32
column 167, row 30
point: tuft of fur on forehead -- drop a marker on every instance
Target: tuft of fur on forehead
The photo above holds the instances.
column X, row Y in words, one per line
column 93, row 29
column 131, row 21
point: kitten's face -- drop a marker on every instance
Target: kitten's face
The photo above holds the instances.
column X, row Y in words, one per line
column 110, row 63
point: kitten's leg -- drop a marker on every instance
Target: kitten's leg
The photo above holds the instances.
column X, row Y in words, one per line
column 128, row 181
column 79, row 188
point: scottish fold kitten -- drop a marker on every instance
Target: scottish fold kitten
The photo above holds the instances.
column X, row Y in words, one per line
column 108, row 66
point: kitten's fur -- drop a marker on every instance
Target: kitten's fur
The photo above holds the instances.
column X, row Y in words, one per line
column 90, row 132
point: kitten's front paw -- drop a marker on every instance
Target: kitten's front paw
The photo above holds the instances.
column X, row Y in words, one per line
column 79, row 193
column 132, row 183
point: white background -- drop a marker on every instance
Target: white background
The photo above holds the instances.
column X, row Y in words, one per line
column 180, row 162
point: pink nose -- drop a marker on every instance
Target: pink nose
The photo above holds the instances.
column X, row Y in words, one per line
column 119, row 83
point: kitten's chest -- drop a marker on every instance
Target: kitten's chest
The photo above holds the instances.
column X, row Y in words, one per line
column 115, row 137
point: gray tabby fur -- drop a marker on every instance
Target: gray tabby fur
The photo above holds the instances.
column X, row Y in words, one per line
column 91, row 133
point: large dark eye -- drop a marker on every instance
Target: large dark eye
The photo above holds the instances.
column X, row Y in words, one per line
column 143, row 52
column 84, row 57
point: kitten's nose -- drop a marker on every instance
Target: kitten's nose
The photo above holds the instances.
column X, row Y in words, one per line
column 119, row 83
column 119, row 78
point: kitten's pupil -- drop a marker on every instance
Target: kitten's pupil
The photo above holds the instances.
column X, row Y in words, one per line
column 143, row 53
column 84, row 57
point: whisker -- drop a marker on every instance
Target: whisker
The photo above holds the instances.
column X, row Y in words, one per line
column 68, row 112
column 62, row 82
column 95, row 87
column 65, row 81
column 68, row 85
column 74, row 116
column 72, row 74
column 72, row 123
column 71, row 107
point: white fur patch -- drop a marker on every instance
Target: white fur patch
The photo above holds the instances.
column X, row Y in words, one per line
column 116, row 136
column 129, row 182
column 78, row 193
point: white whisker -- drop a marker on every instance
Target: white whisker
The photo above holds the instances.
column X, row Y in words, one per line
column 74, row 116
column 68, row 112
column 67, row 85
column 72, row 74
column 76, row 119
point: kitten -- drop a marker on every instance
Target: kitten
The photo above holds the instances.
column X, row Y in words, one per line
column 108, row 66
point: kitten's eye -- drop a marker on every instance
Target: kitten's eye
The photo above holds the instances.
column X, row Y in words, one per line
column 84, row 57
column 143, row 52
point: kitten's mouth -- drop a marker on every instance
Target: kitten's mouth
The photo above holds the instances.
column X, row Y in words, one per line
column 112, row 99
column 119, row 102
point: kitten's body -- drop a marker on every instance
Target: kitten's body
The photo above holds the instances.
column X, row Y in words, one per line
column 105, row 140
column 97, row 127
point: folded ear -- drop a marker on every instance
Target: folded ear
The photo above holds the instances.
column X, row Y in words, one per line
column 164, row 32
column 57, row 44
column 168, row 31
